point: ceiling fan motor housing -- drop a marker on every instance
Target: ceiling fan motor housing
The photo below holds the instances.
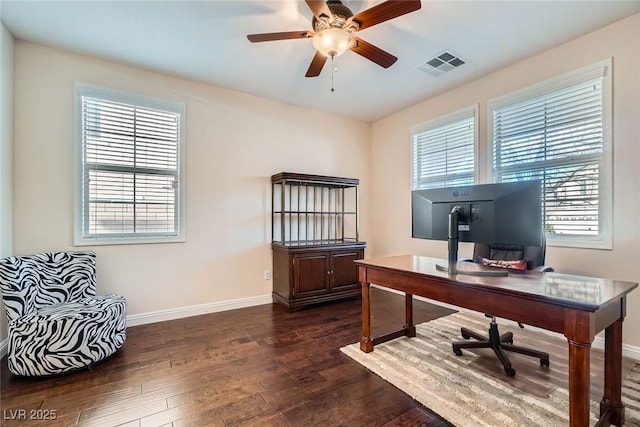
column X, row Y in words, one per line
column 340, row 18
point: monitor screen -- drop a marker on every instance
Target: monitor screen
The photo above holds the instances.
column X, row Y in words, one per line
column 507, row 213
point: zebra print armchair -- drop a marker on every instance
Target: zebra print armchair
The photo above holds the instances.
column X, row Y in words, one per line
column 57, row 323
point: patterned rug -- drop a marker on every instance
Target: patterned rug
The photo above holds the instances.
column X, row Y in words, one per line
column 455, row 388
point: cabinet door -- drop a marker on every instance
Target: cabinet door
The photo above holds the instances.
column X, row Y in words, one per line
column 310, row 275
column 344, row 272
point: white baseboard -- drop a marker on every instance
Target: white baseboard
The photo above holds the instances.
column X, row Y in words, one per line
column 196, row 310
column 630, row 351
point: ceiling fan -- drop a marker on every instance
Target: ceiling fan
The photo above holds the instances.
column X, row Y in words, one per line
column 334, row 26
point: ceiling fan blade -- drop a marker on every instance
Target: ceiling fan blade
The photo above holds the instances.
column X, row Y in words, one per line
column 373, row 53
column 316, row 65
column 385, row 11
column 319, row 7
column 267, row 37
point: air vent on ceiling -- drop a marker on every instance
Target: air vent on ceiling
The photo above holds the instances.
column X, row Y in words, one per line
column 441, row 63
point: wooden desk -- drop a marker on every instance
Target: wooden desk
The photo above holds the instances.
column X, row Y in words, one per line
column 576, row 306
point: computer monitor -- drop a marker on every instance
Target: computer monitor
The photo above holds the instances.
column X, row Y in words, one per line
column 507, row 213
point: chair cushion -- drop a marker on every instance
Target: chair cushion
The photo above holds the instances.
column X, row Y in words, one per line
column 533, row 254
column 66, row 336
column 520, row 264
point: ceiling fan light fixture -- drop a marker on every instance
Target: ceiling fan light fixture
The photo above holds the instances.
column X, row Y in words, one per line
column 334, row 28
column 332, row 42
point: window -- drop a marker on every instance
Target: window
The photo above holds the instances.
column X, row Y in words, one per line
column 558, row 132
column 444, row 151
column 129, row 183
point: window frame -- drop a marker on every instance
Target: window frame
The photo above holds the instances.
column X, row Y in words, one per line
column 145, row 101
column 601, row 69
column 442, row 121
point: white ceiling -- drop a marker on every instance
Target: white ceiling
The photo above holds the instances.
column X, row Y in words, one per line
column 206, row 41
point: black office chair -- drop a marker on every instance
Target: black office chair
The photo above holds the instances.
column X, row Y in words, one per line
column 499, row 343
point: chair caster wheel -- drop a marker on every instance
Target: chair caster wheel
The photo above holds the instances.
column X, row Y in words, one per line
column 457, row 352
column 510, row 372
column 544, row 363
column 465, row 336
column 510, row 342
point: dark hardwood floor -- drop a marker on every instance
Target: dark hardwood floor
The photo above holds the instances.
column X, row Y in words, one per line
column 258, row 366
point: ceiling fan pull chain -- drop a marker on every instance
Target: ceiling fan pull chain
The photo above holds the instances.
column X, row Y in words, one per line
column 333, row 69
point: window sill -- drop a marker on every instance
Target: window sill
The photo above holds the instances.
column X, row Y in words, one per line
column 572, row 242
column 127, row 241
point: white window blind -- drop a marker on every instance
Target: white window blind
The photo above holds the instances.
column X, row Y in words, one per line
column 558, row 137
column 130, row 178
column 444, row 152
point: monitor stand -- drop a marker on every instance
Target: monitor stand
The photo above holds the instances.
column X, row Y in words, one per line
column 453, row 240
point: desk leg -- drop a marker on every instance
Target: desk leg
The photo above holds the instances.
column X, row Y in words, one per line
column 579, row 383
column 611, row 406
column 366, row 343
column 409, row 327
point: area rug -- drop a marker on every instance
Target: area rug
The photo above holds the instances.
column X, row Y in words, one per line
column 470, row 391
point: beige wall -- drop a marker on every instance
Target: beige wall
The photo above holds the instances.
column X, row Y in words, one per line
column 234, row 143
column 6, row 153
column 391, row 173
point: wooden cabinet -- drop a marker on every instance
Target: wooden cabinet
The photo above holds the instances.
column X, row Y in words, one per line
column 309, row 275
column 315, row 239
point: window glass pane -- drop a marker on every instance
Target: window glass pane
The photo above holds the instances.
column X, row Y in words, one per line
column 571, row 196
column 444, row 155
column 557, row 138
column 110, row 218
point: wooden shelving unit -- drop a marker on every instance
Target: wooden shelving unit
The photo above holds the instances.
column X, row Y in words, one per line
column 314, row 224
